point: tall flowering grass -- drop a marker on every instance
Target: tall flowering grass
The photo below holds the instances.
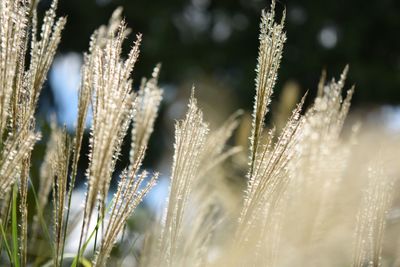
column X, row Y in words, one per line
column 316, row 193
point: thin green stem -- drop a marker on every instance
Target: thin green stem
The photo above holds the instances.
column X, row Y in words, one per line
column 40, row 214
column 14, row 225
column 3, row 234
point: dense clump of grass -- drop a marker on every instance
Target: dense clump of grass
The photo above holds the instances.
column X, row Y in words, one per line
column 313, row 196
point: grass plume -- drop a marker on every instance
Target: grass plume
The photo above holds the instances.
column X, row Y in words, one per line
column 310, row 192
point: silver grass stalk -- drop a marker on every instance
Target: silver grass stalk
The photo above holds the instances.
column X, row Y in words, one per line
column 320, row 162
column 371, row 219
column 14, row 25
column 60, row 164
column 85, row 95
column 190, row 136
column 272, row 39
column 205, row 207
column 21, row 85
column 130, row 193
column 47, row 168
column 147, row 104
column 43, row 51
column 46, row 179
column 112, row 109
column 214, row 149
column 270, row 176
column 41, row 56
column 207, row 201
column 198, row 223
column 262, row 165
column 14, row 152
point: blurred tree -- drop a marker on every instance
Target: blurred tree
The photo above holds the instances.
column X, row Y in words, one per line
column 218, row 38
column 213, row 43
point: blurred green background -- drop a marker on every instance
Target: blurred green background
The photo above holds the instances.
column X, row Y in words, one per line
column 213, row 44
column 218, row 39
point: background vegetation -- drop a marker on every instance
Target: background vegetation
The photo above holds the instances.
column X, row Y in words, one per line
column 217, row 40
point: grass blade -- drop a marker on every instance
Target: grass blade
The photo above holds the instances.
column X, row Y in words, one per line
column 3, row 234
column 83, row 249
column 14, row 226
column 40, row 214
